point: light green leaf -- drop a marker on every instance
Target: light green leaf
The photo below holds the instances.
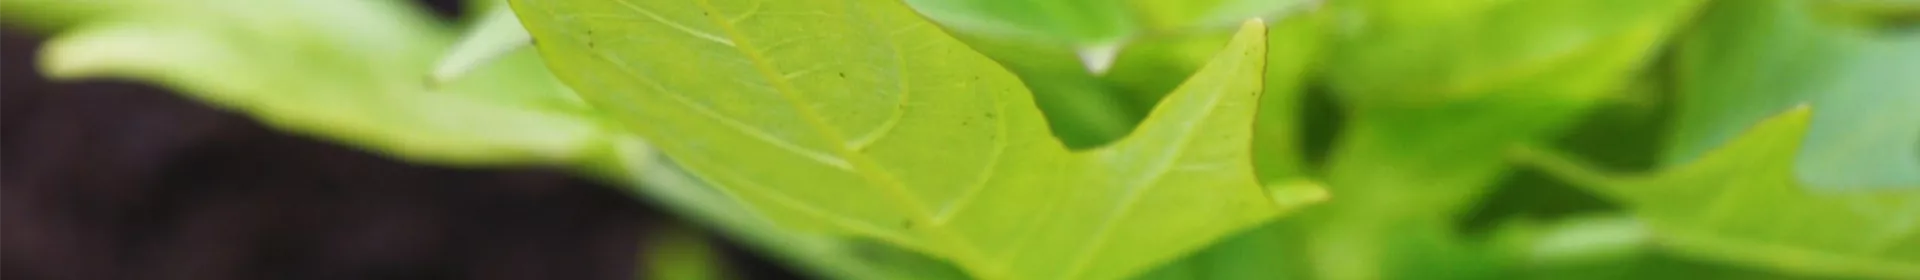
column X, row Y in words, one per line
column 1165, row 16
column 55, row 15
column 1083, row 111
column 496, row 35
column 1741, row 204
column 657, row 179
column 1077, row 23
column 1271, row 251
column 1426, row 52
column 858, row 117
column 345, row 70
column 1094, row 24
column 1752, row 58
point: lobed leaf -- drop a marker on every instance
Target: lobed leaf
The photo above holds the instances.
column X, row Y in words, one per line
column 858, row 117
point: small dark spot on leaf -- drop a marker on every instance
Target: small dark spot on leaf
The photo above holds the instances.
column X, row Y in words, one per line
column 906, row 223
column 843, row 74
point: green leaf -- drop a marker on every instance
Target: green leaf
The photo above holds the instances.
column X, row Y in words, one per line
column 1741, row 204
column 662, row 182
column 1094, row 24
column 1084, row 111
column 1078, row 23
column 858, row 117
column 1425, row 52
column 1435, row 93
column 1176, row 15
column 1752, row 58
column 345, row 70
column 496, row 35
column 56, row 15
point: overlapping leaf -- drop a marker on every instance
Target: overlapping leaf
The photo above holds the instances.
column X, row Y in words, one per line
column 859, row 117
column 346, row 70
column 1092, row 23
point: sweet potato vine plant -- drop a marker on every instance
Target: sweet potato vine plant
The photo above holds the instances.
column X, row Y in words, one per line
column 1155, row 139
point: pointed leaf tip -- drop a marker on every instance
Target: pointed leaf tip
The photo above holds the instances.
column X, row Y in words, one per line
column 959, row 149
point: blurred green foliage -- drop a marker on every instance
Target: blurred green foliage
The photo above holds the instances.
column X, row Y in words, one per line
column 1460, row 139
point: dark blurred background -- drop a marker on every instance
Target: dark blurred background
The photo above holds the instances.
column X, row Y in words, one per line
column 106, row 180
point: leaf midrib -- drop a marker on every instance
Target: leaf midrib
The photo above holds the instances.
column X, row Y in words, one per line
column 963, row 251
column 1160, row 169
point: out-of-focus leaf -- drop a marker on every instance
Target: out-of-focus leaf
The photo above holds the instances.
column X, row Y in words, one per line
column 1093, row 24
column 678, row 253
column 345, row 70
column 1428, row 52
column 1752, row 58
column 496, row 35
column 55, row 15
column 1741, row 204
column 1146, row 70
column 1077, row 23
column 1572, row 241
column 1437, row 91
column 1166, row 16
column 858, row 117
column 1083, row 111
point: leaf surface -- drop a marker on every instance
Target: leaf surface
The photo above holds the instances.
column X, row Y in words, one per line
column 345, row 70
column 859, row 117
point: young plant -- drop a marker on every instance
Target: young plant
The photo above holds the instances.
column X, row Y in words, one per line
column 1147, row 139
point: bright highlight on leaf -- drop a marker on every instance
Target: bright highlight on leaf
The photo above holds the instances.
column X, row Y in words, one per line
column 859, row 117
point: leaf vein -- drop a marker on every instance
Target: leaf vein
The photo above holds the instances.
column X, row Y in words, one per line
column 683, row 28
column 1167, row 162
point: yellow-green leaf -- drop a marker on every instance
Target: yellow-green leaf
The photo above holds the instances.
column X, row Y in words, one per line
column 352, row 71
column 859, row 117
